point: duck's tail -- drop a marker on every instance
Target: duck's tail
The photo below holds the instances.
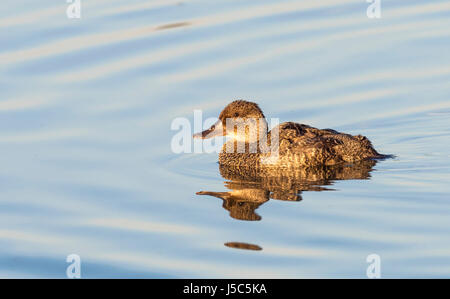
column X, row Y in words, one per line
column 383, row 157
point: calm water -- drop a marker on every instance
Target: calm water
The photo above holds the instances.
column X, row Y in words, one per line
column 86, row 165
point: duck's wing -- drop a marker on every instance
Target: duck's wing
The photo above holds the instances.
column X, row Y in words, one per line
column 321, row 146
column 295, row 138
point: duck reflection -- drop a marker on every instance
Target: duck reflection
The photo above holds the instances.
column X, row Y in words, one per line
column 245, row 246
column 252, row 187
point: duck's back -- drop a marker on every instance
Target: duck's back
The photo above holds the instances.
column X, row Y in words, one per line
column 301, row 145
column 304, row 145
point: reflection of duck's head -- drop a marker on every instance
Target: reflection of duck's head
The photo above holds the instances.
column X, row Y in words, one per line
column 241, row 203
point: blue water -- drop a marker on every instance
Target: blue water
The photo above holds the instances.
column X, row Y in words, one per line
column 86, row 107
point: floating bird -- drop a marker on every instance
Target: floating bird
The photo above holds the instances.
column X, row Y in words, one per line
column 285, row 146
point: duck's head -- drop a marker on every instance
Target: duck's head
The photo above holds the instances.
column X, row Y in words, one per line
column 240, row 120
column 241, row 203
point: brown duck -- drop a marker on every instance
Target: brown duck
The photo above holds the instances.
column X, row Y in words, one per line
column 287, row 145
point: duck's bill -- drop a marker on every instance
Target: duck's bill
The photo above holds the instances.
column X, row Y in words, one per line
column 213, row 131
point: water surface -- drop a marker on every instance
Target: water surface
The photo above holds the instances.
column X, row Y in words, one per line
column 85, row 112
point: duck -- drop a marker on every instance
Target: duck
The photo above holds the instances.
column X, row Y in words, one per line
column 250, row 144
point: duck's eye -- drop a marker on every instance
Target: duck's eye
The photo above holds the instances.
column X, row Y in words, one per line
column 213, row 127
column 236, row 114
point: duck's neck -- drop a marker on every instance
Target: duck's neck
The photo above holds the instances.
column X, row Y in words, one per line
column 241, row 147
column 247, row 139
